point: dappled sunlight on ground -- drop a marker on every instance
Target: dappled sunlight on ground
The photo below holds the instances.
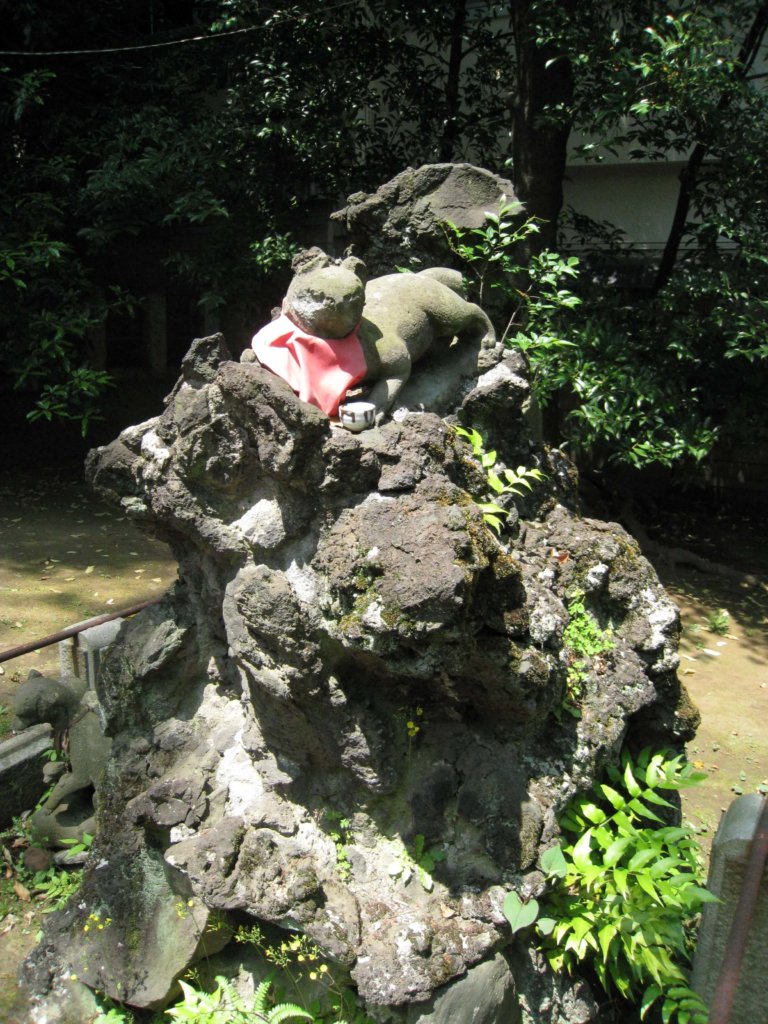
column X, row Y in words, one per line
column 65, row 556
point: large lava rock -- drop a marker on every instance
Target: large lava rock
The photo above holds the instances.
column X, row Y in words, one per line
column 403, row 221
column 333, row 588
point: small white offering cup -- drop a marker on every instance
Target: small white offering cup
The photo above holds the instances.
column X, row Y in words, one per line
column 357, row 416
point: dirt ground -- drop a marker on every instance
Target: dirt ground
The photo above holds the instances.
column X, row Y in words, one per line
column 726, row 674
column 65, row 556
column 724, row 648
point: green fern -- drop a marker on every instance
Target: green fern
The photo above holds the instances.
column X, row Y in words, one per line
column 274, row 1014
column 225, row 1006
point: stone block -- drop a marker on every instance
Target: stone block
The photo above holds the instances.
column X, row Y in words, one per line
column 485, row 995
column 730, row 853
column 21, row 770
column 80, row 655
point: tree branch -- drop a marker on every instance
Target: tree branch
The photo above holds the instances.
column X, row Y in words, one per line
column 689, row 176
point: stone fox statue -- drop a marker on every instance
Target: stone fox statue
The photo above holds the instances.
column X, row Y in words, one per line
column 336, row 331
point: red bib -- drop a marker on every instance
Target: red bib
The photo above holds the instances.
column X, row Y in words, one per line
column 320, row 370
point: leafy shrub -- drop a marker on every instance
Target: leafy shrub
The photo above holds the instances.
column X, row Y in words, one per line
column 626, row 888
column 640, row 379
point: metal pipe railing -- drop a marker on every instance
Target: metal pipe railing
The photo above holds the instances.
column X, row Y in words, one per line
column 65, row 634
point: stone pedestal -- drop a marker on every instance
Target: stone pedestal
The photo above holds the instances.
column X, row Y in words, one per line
column 21, row 770
column 730, row 853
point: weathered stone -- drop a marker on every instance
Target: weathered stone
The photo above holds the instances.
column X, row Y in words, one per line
column 401, row 223
column 348, row 641
column 67, row 813
column 136, row 957
column 22, row 781
column 544, row 996
column 43, row 700
column 485, row 995
column 730, row 853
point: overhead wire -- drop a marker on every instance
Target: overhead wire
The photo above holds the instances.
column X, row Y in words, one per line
column 156, row 46
column 125, row 49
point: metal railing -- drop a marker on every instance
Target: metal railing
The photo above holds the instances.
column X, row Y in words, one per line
column 79, row 627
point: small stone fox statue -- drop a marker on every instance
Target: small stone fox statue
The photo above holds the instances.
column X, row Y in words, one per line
column 373, row 332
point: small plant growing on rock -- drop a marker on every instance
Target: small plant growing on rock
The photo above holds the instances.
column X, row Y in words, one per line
column 5, row 719
column 584, row 641
column 340, row 835
column 513, row 481
column 420, row 862
column 300, row 959
column 414, row 723
column 225, row 1006
column 626, row 889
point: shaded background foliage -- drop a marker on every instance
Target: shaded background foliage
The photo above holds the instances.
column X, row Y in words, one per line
column 199, row 166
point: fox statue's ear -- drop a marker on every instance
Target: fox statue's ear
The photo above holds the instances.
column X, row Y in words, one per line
column 356, row 265
column 310, row 259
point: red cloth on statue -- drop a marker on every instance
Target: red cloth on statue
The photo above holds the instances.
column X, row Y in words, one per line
column 320, row 370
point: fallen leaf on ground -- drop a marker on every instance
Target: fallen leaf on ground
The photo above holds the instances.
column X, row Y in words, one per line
column 89, row 569
column 21, row 891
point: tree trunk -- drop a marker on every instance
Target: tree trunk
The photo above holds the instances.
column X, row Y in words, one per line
column 541, row 125
column 452, row 91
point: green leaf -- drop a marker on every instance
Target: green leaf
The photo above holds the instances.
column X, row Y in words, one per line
column 615, row 799
column 650, row 996
column 605, row 937
column 581, row 851
column 494, row 482
column 655, row 798
column 629, row 780
column 646, row 884
column 553, row 862
column 641, row 858
column 520, row 915
column 614, row 852
column 593, row 813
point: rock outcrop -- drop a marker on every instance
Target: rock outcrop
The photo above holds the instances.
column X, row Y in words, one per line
column 402, row 222
column 348, row 637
